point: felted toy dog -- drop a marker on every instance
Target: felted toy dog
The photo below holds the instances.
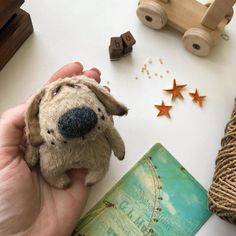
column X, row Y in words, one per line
column 69, row 125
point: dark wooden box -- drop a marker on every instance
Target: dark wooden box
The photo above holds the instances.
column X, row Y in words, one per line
column 13, row 34
column 7, row 9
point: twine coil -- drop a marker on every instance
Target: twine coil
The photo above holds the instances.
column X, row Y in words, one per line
column 222, row 193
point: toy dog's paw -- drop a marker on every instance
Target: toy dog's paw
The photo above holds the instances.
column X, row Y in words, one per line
column 31, row 155
column 61, row 182
column 64, row 183
column 119, row 151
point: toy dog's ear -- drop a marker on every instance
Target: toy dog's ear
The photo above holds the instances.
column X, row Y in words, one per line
column 112, row 106
column 32, row 120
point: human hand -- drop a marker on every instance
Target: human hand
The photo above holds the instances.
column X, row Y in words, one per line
column 28, row 205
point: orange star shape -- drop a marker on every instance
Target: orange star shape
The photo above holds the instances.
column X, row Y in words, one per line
column 163, row 109
column 196, row 98
column 176, row 90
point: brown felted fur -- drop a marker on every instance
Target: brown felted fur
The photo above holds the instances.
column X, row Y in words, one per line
column 58, row 155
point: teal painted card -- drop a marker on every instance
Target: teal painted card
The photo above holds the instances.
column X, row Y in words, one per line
column 156, row 197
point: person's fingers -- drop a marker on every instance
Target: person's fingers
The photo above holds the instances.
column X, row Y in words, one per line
column 93, row 73
column 11, row 126
column 11, row 133
column 75, row 68
column 77, row 176
column 68, row 70
column 16, row 115
column 71, row 208
column 79, row 190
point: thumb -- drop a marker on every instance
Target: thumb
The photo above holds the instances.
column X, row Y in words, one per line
column 12, row 130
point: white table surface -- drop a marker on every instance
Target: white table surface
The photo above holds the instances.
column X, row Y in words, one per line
column 76, row 30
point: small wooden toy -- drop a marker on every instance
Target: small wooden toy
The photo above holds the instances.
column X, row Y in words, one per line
column 201, row 24
column 116, row 48
column 121, row 46
column 128, row 41
column 15, row 28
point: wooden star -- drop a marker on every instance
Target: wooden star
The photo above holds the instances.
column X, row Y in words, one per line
column 176, row 90
column 163, row 109
column 196, row 98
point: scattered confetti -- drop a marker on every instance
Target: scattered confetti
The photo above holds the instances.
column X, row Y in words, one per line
column 149, row 60
column 163, row 109
column 197, row 98
column 176, row 90
column 145, row 70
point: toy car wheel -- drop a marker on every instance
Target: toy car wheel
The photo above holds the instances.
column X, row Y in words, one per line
column 198, row 41
column 152, row 14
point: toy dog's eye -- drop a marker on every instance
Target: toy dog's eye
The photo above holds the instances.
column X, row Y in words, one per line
column 73, row 86
column 99, row 109
column 70, row 85
column 55, row 91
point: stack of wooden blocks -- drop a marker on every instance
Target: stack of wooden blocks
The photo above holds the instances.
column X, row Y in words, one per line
column 121, row 46
column 15, row 28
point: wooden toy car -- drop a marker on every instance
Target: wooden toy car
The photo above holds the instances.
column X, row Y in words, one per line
column 201, row 24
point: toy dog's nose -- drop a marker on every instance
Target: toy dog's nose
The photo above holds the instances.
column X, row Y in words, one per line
column 77, row 122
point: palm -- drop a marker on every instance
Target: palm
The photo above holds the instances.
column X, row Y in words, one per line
column 37, row 207
column 27, row 203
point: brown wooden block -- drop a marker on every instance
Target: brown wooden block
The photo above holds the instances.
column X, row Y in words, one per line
column 13, row 34
column 114, row 55
column 7, row 9
column 116, row 48
column 127, row 50
column 128, row 39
